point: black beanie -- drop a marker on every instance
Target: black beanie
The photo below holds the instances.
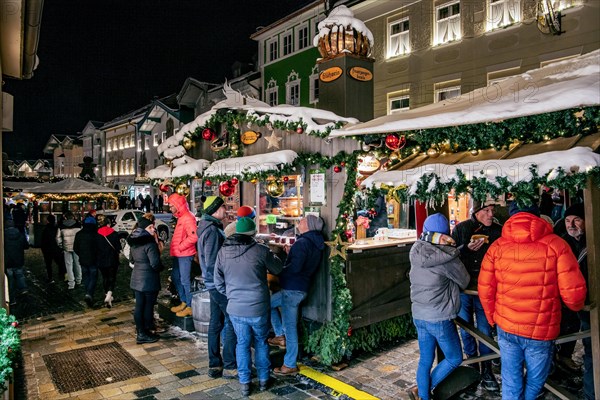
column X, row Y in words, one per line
column 576, row 210
column 144, row 223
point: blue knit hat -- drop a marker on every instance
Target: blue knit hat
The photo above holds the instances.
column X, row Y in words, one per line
column 437, row 223
column 89, row 220
column 515, row 208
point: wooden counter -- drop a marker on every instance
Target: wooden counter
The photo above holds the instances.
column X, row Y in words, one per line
column 377, row 277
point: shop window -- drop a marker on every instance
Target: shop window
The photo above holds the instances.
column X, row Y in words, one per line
column 273, row 48
column 502, row 13
column 314, row 86
column 271, row 94
column 398, row 104
column 288, row 47
column 302, row 35
column 398, row 43
column 447, row 26
column 292, row 89
column 280, row 207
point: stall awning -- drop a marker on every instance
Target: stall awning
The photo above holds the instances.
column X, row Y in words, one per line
column 72, row 186
column 573, row 154
column 559, row 86
column 251, row 164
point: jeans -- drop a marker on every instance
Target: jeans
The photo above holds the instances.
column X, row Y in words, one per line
column 536, row 355
column 219, row 320
column 286, row 323
column 73, row 268
column 469, row 305
column 181, row 277
column 143, row 314
column 90, row 277
column 246, row 329
column 16, row 281
column 445, row 335
column 588, row 362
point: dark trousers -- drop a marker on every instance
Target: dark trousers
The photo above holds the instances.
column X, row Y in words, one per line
column 109, row 277
column 90, row 277
column 58, row 258
column 143, row 314
column 569, row 323
column 219, row 320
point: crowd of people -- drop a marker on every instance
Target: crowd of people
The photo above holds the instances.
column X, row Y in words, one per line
column 519, row 279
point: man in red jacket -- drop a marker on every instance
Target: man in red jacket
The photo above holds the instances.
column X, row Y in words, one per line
column 523, row 278
column 183, row 249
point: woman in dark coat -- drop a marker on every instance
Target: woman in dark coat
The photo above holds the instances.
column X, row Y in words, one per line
column 51, row 251
column 145, row 279
column 109, row 247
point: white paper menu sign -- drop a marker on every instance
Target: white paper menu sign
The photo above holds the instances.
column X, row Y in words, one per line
column 317, row 187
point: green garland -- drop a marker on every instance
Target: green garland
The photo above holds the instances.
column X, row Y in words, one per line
column 10, row 346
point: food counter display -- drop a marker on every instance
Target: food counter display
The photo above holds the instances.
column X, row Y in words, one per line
column 280, row 205
column 377, row 276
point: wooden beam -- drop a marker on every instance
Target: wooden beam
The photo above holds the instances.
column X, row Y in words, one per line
column 591, row 196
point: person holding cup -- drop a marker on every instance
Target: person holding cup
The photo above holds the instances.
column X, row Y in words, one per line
column 303, row 260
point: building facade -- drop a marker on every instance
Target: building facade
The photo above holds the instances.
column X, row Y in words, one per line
column 94, row 147
column 67, row 154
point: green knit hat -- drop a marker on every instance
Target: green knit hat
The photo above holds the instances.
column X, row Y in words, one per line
column 212, row 204
column 245, row 226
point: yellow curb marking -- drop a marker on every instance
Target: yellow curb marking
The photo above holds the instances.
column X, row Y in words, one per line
column 336, row 385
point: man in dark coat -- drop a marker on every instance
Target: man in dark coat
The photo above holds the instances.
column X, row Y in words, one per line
column 14, row 259
column 241, row 275
column 86, row 248
column 50, row 249
column 471, row 254
column 303, row 260
column 109, row 248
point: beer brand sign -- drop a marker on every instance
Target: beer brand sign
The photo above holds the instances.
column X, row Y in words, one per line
column 330, row 74
column 360, row 74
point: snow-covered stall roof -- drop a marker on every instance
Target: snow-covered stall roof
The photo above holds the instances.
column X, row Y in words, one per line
column 577, row 159
column 558, row 86
column 72, row 186
column 182, row 166
column 251, row 164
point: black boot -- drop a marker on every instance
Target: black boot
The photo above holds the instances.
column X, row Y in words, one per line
column 145, row 337
column 488, row 380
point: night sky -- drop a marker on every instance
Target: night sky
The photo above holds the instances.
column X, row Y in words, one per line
column 100, row 59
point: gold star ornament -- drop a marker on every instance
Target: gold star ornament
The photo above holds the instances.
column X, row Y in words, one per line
column 338, row 248
column 273, row 140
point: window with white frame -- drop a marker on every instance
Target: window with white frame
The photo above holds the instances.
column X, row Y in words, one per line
column 132, row 167
column 287, row 43
column 302, row 34
column 131, row 140
column 163, row 136
column 399, row 43
column 155, row 139
column 273, row 50
column 126, row 166
column 292, row 89
column 313, row 97
column 109, row 171
column 146, row 143
column 547, row 62
column 446, row 93
column 398, row 103
column 271, row 94
column 447, row 24
column 139, row 145
column 121, row 142
column 122, row 169
column 502, row 13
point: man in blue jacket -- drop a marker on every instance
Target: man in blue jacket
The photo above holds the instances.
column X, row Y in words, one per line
column 303, row 259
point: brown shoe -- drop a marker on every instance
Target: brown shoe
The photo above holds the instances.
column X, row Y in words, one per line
column 186, row 312
column 178, row 308
column 278, row 341
column 413, row 393
column 285, row 371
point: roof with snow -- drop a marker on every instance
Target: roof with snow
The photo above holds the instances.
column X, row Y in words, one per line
column 558, row 86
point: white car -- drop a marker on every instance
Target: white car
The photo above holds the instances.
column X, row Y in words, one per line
column 123, row 221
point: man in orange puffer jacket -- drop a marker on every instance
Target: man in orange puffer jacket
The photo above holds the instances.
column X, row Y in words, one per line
column 523, row 278
column 183, row 249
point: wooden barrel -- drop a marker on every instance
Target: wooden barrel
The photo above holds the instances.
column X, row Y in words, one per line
column 201, row 312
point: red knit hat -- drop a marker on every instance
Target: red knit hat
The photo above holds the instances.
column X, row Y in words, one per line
column 245, row 211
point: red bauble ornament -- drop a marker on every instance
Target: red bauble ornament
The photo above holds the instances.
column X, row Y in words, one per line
column 299, row 130
column 285, row 178
column 343, row 163
column 207, row 182
column 235, row 181
column 349, row 331
column 226, row 188
column 337, row 169
column 209, row 134
column 15, row 324
column 348, row 234
column 164, row 188
column 392, row 141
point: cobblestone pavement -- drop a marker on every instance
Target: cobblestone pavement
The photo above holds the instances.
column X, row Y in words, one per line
column 56, row 320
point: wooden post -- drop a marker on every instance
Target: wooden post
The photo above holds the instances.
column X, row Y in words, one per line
column 591, row 195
